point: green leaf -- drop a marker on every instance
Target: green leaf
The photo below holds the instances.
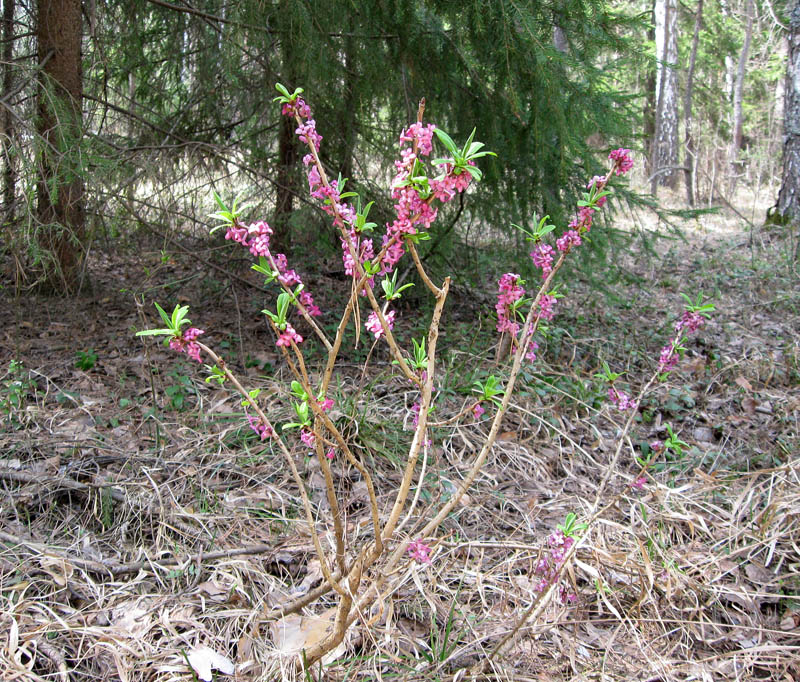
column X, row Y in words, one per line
column 446, row 140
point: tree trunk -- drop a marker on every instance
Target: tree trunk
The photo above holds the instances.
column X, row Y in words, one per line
column 60, row 188
column 789, row 195
column 6, row 120
column 665, row 149
column 738, row 89
column 689, row 162
column 284, row 198
column 649, row 109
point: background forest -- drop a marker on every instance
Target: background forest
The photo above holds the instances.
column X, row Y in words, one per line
column 146, row 531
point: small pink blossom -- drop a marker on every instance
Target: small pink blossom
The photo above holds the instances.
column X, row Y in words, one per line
column 373, row 323
column 621, row 399
column 419, row 552
column 510, row 292
column 308, row 438
column 639, row 483
column 656, row 445
column 287, row 336
column 542, row 256
column 326, row 404
column 185, row 343
column 330, row 454
column 546, row 303
column 263, row 430
column 622, row 160
column 478, row 411
column 668, row 359
column 530, row 355
column 690, row 322
column 568, row 240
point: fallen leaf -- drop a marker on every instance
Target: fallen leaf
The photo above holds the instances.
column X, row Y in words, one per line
column 749, row 405
column 744, row 383
column 292, row 634
column 203, row 660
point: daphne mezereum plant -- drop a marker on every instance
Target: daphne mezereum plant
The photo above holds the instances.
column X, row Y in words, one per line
column 359, row 569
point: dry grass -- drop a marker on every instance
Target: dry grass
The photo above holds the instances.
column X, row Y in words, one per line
column 131, row 536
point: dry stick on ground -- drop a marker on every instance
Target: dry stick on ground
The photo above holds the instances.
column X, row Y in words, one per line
column 116, row 570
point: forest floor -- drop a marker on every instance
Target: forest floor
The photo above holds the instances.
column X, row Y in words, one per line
column 141, row 520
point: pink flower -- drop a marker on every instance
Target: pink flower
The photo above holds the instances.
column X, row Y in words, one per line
column 287, row 336
column 419, row 552
column 622, row 161
column 621, row 400
column 415, row 409
column 307, row 437
column 656, row 445
column 546, row 304
column 262, row 429
column 542, row 256
column 583, row 222
column 509, row 293
column 478, row 411
column 639, row 483
column 373, row 323
column 326, row 404
column 568, row 240
column 330, row 454
column 185, row 343
column 668, row 359
column 690, row 322
column 530, row 355
column 420, row 134
column 307, row 301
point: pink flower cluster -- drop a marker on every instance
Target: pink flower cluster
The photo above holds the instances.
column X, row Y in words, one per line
column 263, row 430
column 542, row 256
column 255, row 237
column 549, row 565
column 419, row 552
column 569, row 239
column 530, row 355
column 477, row 411
column 621, row 399
column 414, row 212
column 410, row 208
column 689, row 323
column 308, row 438
column 546, row 303
column 185, row 343
column 510, row 292
column 344, row 216
column 373, row 323
column 622, row 161
column 287, row 336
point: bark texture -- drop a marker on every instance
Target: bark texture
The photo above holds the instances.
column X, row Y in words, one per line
column 689, row 161
column 665, row 146
column 738, row 93
column 789, row 196
column 6, row 120
column 60, row 189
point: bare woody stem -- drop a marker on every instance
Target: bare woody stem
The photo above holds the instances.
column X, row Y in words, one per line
column 219, row 362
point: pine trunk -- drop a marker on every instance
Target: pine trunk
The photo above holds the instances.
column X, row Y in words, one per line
column 689, row 161
column 789, row 196
column 6, row 120
column 665, row 148
column 60, row 188
column 738, row 91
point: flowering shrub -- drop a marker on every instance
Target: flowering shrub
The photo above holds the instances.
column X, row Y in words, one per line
column 358, row 574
